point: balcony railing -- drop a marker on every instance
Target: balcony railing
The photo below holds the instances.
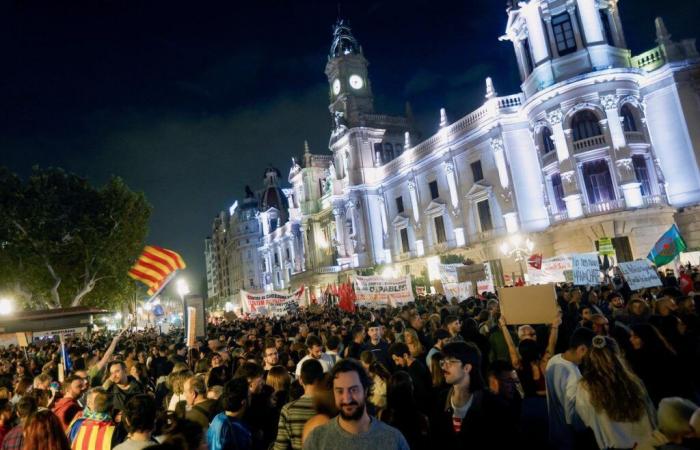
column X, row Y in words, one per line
column 556, row 215
column 653, row 200
column 328, row 269
column 604, row 207
column 634, row 137
column 589, row 143
column 649, row 60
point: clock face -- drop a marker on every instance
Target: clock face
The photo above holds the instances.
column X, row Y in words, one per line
column 336, row 86
column 356, row 82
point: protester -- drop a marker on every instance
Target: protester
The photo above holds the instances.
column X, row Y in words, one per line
column 14, row 440
column 67, row 406
column 353, row 428
column 139, row 418
column 402, row 412
column 201, row 409
column 227, row 431
column 674, row 427
column 611, row 400
column 43, row 431
column 315, row 349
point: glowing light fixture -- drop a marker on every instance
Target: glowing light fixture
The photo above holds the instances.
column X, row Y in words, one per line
column 6, row 306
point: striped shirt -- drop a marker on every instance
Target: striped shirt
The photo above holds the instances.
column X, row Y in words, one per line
column 94, row 435
column 293, row 417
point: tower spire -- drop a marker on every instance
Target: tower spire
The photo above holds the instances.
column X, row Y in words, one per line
column 344, row 43
column 490, row 90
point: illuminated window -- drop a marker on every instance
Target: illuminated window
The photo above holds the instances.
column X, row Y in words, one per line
column 596, row 177
column 563, row 33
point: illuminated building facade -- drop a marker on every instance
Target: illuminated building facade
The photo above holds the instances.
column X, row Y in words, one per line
column 598, row 143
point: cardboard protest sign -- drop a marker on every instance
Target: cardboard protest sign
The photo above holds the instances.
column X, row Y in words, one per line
column 457, row 279
column 378, row 291
column 605, row 247
column 639, row 274
column 528, row 304
column 586, row 269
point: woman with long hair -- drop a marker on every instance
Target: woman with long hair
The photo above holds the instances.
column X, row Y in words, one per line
column 380, row 377
column 652, row 358
column 279, row 379
column 43, row 431
column 436, row 373
column 611, row 400
column 402, row 411
column 413, row 342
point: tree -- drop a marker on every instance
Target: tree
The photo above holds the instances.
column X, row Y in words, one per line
column 66, row 243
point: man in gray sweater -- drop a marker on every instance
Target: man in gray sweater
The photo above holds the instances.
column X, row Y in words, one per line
column 353, row 428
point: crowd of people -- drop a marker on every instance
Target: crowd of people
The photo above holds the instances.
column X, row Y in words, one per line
column 615, row 369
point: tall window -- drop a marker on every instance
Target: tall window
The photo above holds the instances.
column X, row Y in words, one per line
column 484, row 210
column 596, row 176
column 434, row 192
column 289, row 256
column 547, row 141
column 585, row 125
column 398, row 149
column 378, row 154
column 642, row 172
column 388, row 152
column 405, row 247
column 477, row 173
column 558, row 191
column 399, row 204
column 440, row 230
column 564, row 33
column 529, row 66
column 605, row 20
column 628, row 122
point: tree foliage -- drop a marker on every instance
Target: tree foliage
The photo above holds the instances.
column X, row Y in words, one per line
column 66, row 243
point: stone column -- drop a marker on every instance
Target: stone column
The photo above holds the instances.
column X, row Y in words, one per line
column 550, row 33
column 560, row 142
column 618, row 32
column 574, row 25
column 536, row 32
column 617, row 135
column 452, row 183
column 522, row 61
column 590, row 20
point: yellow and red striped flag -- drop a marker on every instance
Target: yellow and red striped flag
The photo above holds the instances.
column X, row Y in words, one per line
column 154, row 266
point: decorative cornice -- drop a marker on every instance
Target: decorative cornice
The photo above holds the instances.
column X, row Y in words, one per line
column 609, row 101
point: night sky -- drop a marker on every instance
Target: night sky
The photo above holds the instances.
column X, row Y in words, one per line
column 190, row 101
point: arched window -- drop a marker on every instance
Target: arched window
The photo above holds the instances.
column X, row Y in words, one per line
column 547, row 142
column 628, row 122
column 585, row 125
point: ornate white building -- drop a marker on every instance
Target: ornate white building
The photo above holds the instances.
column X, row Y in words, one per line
column 599, row 143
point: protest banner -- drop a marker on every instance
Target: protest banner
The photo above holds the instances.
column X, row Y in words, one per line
column 377, row 291
column 639, row 274
column 528, row 304
column 455, row 284
column 551, row 271
column 272, row 303
column 585, row 268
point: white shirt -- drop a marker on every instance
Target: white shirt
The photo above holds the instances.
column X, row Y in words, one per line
column 325, row 360
column 561, row 377
column 608, row 433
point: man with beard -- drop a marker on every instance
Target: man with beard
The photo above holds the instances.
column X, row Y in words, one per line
column 353, row 428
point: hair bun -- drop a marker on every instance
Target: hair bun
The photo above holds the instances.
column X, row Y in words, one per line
column 599, row 342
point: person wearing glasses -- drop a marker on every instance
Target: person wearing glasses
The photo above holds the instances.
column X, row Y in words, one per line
column 467, row 415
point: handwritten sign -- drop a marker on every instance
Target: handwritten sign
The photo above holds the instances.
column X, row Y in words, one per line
column 552, row 270
column 586, row 269
column 639, row 274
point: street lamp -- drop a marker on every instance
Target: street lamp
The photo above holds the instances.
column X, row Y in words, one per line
column 518, row 249
column 183, row 289
column 6, row 306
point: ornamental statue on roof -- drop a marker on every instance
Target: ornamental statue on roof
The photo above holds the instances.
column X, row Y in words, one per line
column 344, row 43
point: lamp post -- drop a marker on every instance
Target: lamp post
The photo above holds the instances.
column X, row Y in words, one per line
column 518, row 249
column 182, row 289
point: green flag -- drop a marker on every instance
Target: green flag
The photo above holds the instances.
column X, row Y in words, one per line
column 669, row 245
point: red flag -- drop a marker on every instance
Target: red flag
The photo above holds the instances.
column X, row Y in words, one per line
column 535, row 261
column 685, row 282
column 520, row 282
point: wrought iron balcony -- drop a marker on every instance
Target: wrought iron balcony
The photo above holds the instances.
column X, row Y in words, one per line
column 589, row 143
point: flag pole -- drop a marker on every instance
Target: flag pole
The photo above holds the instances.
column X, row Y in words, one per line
column 163, row 285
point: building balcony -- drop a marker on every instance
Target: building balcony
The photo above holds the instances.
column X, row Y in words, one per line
column 590, row 143
column 404, row 256
column 601, row 208
column 557, row 215
column 328, row 269
column 604, row 207
column 482, row 236
column 635, row 137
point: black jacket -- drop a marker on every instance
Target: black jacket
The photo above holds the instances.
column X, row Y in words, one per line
column 488, row 423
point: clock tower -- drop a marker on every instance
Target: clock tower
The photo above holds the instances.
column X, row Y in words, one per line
column 350, row 89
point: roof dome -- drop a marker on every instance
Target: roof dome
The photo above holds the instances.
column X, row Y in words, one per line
column 273, row 196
